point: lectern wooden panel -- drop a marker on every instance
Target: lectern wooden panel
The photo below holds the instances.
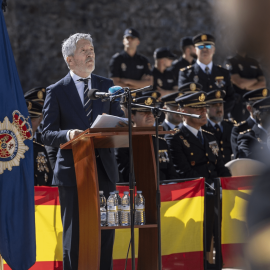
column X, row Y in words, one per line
column 83, row 148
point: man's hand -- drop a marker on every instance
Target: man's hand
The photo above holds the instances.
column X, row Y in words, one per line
column 122, row 124
column 75, row 132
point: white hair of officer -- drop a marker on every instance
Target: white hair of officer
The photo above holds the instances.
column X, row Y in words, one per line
column 69, row 45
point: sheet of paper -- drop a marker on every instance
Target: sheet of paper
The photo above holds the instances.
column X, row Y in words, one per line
column 107, row 121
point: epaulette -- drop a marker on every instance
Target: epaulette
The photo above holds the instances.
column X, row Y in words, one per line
column 244, row 132
column 229, row 121
column 208, row 132
column 241, row 123
column 159, row 138
column 115, row 55
column 38, row 143
column 182, row 69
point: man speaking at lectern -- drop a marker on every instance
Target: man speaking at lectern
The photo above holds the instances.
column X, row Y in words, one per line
column 67, row 112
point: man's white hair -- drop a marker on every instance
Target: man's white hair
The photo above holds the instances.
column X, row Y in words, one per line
column 69, row 45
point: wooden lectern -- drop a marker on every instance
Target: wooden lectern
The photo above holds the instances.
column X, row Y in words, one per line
column 83, row 148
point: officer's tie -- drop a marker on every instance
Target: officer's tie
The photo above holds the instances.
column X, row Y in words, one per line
column 207, row 70
column 87, row 102
column 200, row 137
column 218, row 132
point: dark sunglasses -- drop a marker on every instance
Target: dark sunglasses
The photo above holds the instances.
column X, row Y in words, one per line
column 208, row 46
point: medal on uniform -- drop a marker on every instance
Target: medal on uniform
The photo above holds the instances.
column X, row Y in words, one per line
column 196, row 78
column 42, row 162
column 220, row 81
column 123, row 67
column 163, row 156
column 214, row 147
column 186, row 143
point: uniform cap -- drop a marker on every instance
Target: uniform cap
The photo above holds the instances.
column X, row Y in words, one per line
column 170, row 98
column 163, row 53
column 145, row 100
column 186, row 41
column 36, row 94
column 202, row 39
column 196, row 100
column 262, row 105
column 190, row 88
column 153, row 94
column 215, row 96
column 131, row 32
column 34, row 108
column 257, row 94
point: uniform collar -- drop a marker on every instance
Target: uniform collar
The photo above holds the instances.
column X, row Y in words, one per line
column 193, row 130
column 213, row 124
column 203, row 66
column 172, row 126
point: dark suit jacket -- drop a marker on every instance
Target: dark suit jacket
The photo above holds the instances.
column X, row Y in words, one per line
column 192, row 159
column 225, row 142
column 63, row 111
column 240, row 127
column 210, row 82
column 253, row 144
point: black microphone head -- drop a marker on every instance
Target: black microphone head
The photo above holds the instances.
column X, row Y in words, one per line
column 92, row 94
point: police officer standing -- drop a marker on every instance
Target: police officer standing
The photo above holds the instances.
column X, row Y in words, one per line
column 188, row 57
column 253, row 142
column 128, row 68
column 164, row 81
column 250, row 97
column 206, row 73
column 216, row 123
column 43, row 173
column 246, row 75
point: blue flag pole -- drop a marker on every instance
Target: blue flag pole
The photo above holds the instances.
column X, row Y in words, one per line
column 17, row 207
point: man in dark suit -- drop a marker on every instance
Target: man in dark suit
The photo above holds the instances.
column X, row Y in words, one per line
column 67, row 112
column 253, row 143
column 195, row 152
column 216, row 123
column 250, row 98
column 206, row 73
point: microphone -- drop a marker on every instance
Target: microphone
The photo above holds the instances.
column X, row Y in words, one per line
column 93, row 94
column 116, row 90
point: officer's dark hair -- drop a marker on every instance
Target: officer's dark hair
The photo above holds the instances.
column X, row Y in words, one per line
column 133, row 112
column 185, row 47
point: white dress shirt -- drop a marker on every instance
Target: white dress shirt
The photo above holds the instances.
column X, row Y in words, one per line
column 172, row 126
column 192, row 129
column 80, row 88
column 203, row 66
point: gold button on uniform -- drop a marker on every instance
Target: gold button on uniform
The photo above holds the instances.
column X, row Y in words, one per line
column 221, row 149
column 208, row 162
column 217, row 129
column 206, row 154
column 210, row 86
column 191, row 154
column 221, row 142
column 223, row 156
column 209, row 171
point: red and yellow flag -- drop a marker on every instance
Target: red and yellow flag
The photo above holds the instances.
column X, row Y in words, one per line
column 235, row 194
column 182, row 211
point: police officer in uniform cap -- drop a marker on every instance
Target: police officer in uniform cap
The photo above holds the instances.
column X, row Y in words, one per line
column 250, row 97
column 195, row 152
column 188, row 57
column 253, row 143
column 43, row 173
column 163, row 79
column 206, row 73
column 246, row 75
column 128, row 68
column 216, row 123
column 143, row 117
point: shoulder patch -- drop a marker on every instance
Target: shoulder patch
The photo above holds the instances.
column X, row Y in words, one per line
column 208, row 132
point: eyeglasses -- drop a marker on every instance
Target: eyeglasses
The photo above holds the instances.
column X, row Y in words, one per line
column 208, row 46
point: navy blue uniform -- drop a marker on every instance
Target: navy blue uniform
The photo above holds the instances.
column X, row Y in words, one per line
column 163, row 80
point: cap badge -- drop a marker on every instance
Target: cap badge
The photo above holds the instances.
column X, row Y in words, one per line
column 40, row 94
column 43, row 90
column 218, row 94
column 154, row 95
column 192, row 86
column 264, row 92
column 159, row 82
column 203, row 37
column 123, row 66
column 130, row 31
column 202, row 97
column 29, row 107
column 180, row 95
column 148, row 102
column 133, row 95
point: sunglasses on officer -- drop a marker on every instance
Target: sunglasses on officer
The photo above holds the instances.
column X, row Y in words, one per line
column 207, row 46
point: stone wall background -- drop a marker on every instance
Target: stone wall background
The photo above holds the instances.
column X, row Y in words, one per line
column 38, row 27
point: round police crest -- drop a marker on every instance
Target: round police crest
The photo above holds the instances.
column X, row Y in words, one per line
column 12, row 136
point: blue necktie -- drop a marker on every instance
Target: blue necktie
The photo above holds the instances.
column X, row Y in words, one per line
column 87, row 102
column 200, row 137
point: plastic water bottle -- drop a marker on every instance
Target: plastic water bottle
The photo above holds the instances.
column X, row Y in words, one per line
column 103, row 213
column 119, row 205
column 112, row 210
column 125, row 213
column 139, row 209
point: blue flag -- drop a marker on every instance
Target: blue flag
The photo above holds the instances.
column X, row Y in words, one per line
column 17, row 207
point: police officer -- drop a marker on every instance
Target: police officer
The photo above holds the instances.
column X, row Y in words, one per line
column 253, row 143
column 188, row 57
column 42, row 169
column 216, row 123
column 195, row 152
column 164, row 81
column 206, row 73
column 246, row 75
column 250, row 97
column 128, row 68
column 143, row 117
